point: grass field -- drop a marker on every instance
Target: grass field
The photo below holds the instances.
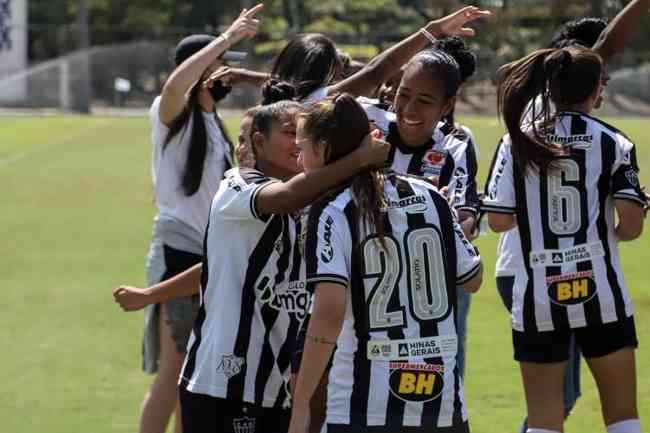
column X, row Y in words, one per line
column 76, row 221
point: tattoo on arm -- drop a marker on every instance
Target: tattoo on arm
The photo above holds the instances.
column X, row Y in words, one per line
column 320, row 340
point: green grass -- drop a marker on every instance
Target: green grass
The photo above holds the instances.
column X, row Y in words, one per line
column 76, row 221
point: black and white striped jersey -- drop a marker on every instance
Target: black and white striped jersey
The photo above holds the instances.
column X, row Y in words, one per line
column 564, row 254
column 253, row 299
column 450, row 155
column 395, row 361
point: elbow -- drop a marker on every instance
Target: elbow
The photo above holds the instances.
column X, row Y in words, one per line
column 473, row 285
column 500, row 223
column 629, row 231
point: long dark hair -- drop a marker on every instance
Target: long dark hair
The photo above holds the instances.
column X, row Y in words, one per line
column 565, row 76
column 338, row 125
column 457, row 48
column 193, row 171
column 308, row 61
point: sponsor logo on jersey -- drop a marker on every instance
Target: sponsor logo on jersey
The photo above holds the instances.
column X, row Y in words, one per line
column 413, row 382
column 571, row 289
column 327, row 252
column 413, row 204
column 293, row 297
column 573, row 141
column 403, row 350
column 492, row 193
column 568, row 256
column 432, row 162
column 243, row 425
column 230, row 365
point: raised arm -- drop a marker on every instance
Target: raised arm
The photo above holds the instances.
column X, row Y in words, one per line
column 388, row 63
column 184, row 284
column 302, row 189
column 190, row 71
column 235, row 76
column 620, row 30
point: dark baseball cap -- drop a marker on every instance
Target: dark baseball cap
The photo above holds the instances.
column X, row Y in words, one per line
column 189, row 45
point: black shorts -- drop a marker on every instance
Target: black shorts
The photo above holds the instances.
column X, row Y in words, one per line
column 594, row 341
column 202, row 413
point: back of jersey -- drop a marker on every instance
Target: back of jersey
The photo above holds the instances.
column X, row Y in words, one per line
column 395, row 360
column 569, row 273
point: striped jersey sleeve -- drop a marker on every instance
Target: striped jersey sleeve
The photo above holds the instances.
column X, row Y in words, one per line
column 500, row 191
column 238, row 193
column 327, row 244
column 468, row 262
column 625, row 175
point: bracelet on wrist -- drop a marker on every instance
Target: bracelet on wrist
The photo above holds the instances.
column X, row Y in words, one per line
column 427, row 34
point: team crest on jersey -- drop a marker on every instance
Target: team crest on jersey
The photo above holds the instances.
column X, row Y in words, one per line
column 416, row 382
column 327, row 252
column 571, row 289
column 292, row 297
column 243, row 425
column 432, row 162
column 632, row 177
column 230, row 365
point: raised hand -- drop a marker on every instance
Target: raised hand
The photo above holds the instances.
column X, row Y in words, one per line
column 375, row 150
column 454, row 24
column 245, row 26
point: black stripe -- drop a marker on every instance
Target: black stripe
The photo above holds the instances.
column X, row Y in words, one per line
column 528, row 309
column 395, row 406
column 608, row 150
column 290, row 346
column 269, row 317
column 447, row 171
column 361, row 370
column 471, row 190
column 592, row 307
column 190, row 365
column 551, row 241
column 256, row 262
column 450, row 256
column 492, row 164
column 415, row 164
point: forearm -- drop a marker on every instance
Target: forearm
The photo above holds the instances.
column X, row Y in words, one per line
column 187, row 283
column 256, row 78
column 190, row 71
column 319, row 345
column 383, row 66
column 304, row 188
column 620, row 30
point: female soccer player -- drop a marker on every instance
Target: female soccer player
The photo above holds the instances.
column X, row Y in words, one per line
column 191, row 151
column 385, row 255
column 253, row 298
column 560, row 181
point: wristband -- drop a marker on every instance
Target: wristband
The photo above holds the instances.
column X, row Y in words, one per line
column 428, row 35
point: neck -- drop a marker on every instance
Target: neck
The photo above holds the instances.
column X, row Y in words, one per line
column 272, row 170
column 584, row 107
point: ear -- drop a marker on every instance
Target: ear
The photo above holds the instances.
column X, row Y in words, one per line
column 258, row 140
column 449, row 106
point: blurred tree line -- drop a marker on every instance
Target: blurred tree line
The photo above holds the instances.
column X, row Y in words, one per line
column 361, row 27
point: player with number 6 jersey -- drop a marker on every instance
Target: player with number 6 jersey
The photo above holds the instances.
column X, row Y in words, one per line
column 385, row 256
column 569, row 184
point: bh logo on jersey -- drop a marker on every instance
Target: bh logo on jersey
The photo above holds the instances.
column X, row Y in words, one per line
column 293, row 297
column 243, row 425
column 416, row 382
column 571, row 289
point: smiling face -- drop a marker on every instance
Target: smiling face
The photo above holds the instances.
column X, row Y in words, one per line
column 278, row 147
column 420, row 103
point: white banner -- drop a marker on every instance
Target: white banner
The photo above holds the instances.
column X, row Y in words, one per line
column 13, row 46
